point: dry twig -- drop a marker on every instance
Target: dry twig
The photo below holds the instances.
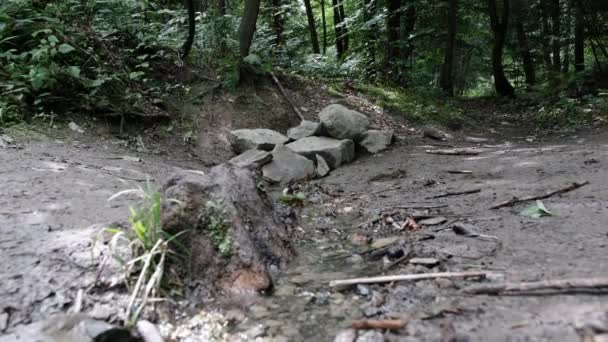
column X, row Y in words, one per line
column 455, row 193
column 389, row 324
column 516, row 200
column 564, row 285
column 293, row 106
column 406, row 277
column 454, row 152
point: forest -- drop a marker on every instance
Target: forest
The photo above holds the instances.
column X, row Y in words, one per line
column 303, row 170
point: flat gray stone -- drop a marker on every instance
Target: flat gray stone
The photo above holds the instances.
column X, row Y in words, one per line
column 287, row 165
column 242, row 140
column 335, row 152
column 346, row 335
column 343, row 123
column 370, row 336
column 374, row 141
column 305, row 129
column 252, row 158
column 322, row 167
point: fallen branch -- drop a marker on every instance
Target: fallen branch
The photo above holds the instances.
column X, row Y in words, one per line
column 389, row 324
column 516, row 200
column 557, row 284
column 406, row 277
column 293, row 106
column 455, row 193
column 454, row 152
column 415, row 206
column 462, row 172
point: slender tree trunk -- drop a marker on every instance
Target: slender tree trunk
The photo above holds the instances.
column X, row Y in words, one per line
column 312, row 27
column 568, row 38
column 545, row 35
column 247, row 27
column 393, row 23
column 344, row 26
column 338, row 30
column 526, row 56
column 324, row 26
column 278, row 22
column 191, row 29
column 499, row 28
column 579, row 36
column 369, row 11
column 446, row 81
column 407, row 24
column 556, row 30
column 221, row 6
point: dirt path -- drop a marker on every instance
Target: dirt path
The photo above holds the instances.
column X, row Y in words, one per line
column 53, row 200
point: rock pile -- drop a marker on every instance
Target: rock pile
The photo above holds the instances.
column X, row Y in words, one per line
column 311, row 149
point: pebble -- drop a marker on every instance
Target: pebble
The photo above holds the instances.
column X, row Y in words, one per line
column 3, row 321
column 346, row 335
column 256, row 331
column 444, row 283
column 362, row 290
column 377, row 299
column 371, row 336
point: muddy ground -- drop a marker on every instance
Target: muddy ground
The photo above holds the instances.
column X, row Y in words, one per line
column 54, row 202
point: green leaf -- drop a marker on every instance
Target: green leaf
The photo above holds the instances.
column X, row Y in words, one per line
column 74, row 71
column 136, row 74
column 537, row 210
column 52, row 39
column 65, row 48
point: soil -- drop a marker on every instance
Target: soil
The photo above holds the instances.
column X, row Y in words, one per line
column 54, row 205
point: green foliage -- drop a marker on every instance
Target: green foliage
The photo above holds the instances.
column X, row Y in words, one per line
column 418, row 105
column 102, row 57
column 214, row 222
column 537, row 210
column 296, row 199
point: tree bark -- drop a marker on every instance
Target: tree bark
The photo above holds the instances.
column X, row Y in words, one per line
column 221, row 5
column 556, row 34
column 393, row 23
column 247, row 27
column 324, row 26
column 338, row 29
column 369, row 11
column 344, row 27
column 545, row 35
column 446, row 81
column 191, row 29
column 312, row 27
column 579, row 36
column 526, row 56
column 499, row 28
column 278, row 22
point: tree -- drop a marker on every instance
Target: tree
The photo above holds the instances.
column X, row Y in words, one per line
column 499, row 27
column 446, row 81
column 339, row 29
column 324, row 26
column 191, row 30
column 393, row 22
column 522, row 42
column 556, row 30
column 312, row 27
column 247, row 27
column 579, row 36
column 277, row 22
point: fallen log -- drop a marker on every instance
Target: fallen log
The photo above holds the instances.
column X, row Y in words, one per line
column 556, row 284
column 516, row 200
column 455, row 152
column 407, row 277
column 455, row 193
column 389, row 324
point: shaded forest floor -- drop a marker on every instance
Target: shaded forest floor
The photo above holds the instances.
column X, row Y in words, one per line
column 56, row 184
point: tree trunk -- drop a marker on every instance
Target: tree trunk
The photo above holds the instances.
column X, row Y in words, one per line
column 579, row 36
column 312, row 27
column 247, row 27
column 393, row 23
column 446, row 81
column 191, row 29
column 556, row 34
column 567, row 39
column 344, row 27
column 407, row 24
column 278, row 22
column 369, row 11
column 324, row 26
column 499, row 28
column 526, row 56
column 221, row 5
column 545, row 35
column 338, row 30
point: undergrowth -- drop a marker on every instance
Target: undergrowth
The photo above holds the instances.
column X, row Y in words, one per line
column 93, row 57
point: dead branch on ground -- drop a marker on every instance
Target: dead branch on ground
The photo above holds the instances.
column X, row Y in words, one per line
column 389, row 324
column 406, row 277
column 565, row 285
column 455, row 152
column 293, row 106
column 455, row 193
column 516, row 200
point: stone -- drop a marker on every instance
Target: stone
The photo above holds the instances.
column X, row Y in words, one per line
column 322, row 167
column 256, row 158
column 287, row 166
column 371, row 336
column 242, row 140
column 346, row 335
column 343, row 123
column 428, row 262
column 335, row 152
column 230, row 257
column 305, row 129
column 476, row 140
column 374, row 141
column 435, row 133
